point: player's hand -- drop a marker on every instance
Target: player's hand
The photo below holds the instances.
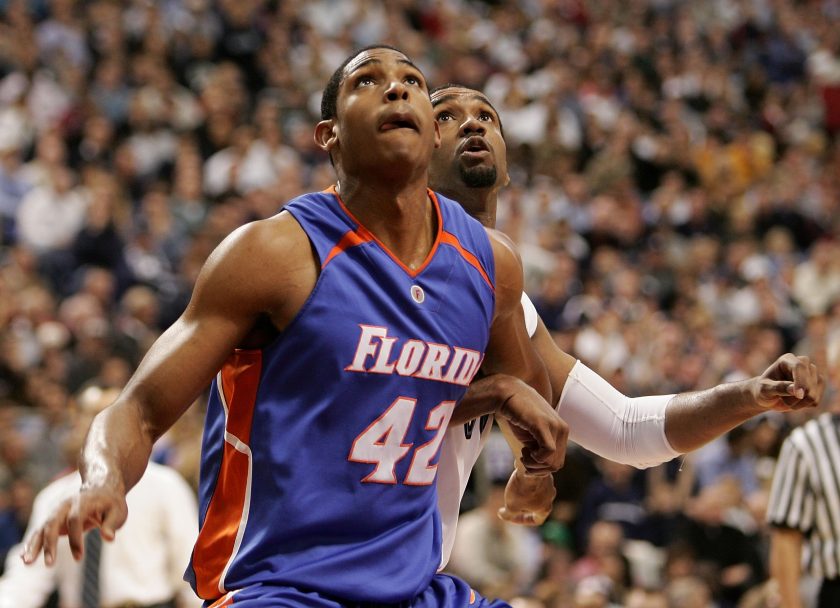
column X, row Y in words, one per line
column 528, row 498
column 101, row 508
column 538, row 427
column 790, row 383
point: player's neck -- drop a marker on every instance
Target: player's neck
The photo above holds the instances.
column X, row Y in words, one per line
column 384, row 199
column 403, row 219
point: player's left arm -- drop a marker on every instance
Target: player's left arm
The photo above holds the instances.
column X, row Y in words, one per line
column 525, row 414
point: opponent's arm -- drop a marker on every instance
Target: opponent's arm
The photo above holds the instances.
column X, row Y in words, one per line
column 647, row 431
column 233, row 291
column 652, row 429
column 790, row 383
column 558, row 363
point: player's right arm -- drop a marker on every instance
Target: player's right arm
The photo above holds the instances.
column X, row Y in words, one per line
column 260, row 275
column 534, row 428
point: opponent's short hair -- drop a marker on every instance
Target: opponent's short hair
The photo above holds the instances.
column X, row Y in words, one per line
column 455, row 85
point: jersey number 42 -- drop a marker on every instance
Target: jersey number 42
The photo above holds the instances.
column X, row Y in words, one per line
column 381, row 443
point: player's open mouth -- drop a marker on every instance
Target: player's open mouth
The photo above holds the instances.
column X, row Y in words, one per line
column 474, row 146
column 400, row 120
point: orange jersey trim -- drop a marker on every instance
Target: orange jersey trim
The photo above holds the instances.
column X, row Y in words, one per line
column 366, row 235
column 450, row 239
column 226, row 600
column 349, row 240
column 227, row 513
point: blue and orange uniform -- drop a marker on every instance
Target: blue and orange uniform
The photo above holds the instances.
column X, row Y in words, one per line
column 320, row 451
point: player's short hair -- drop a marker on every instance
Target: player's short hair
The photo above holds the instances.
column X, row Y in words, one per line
column 329, row 98
column 454, row 85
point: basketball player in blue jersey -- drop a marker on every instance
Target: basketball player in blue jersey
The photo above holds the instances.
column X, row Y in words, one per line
column 470, row 166
column 339, row 336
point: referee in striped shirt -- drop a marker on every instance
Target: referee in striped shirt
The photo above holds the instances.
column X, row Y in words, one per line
column 804, row 505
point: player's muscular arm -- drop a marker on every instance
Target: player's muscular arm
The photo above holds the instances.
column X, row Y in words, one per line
column 525, row 415
column 509, row 350
column 264, row 269
column 242, row 281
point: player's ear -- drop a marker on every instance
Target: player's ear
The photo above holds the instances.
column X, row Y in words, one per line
column 326, row 135
column 506, row 179
column 437, row 134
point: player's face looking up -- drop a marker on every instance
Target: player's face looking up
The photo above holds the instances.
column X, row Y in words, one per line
column 472, row 144
column 383, row 115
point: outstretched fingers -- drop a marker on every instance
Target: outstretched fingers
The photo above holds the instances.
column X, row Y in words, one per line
column 73, row 517
column 45, row 538
column 33, row 546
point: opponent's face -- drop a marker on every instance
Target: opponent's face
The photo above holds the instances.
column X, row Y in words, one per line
column 472, row 150
column 384, row 114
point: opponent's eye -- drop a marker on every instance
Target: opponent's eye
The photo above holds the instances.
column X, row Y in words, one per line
column 444, row 117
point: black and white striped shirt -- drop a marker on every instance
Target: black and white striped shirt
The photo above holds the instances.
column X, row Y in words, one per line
column 806, row 492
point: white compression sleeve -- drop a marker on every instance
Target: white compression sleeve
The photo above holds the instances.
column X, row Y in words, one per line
column 531, row 316
column 614, row 426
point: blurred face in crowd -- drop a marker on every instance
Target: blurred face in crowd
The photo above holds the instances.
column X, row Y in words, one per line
column 640, row 598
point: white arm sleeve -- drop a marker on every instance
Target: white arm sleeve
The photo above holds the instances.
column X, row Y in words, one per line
column 531, row 316
column 614, row 426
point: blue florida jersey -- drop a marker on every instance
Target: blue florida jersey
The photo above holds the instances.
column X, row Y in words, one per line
column 320, row 451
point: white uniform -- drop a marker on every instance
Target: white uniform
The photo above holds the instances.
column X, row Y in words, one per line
column 459, row 454
column 143, row 565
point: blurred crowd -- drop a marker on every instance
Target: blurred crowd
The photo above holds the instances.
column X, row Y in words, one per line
column 675, row 194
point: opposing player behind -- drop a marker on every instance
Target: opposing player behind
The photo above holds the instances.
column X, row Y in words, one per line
column 470, row 166
column 341, row 334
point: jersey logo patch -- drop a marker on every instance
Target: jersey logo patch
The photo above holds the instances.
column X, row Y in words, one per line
column 417, row 294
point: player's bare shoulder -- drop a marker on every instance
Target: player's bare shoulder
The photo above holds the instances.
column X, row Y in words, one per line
column 267, row 266
column 504, row 249
column 509, row 277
